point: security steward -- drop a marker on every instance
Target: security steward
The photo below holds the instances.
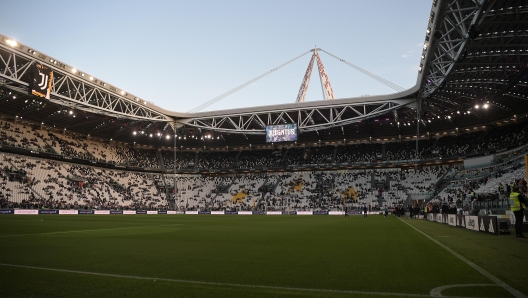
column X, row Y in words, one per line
column 517, row 205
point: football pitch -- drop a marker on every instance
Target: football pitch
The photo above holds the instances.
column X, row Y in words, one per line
column 254, row 256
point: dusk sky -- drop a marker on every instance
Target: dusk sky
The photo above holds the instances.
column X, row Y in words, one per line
column 180, row 54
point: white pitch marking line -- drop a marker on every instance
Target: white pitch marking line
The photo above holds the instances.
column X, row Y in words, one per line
column 218, row 283
column 437, row 292
column 94, row 230
column 499, row 282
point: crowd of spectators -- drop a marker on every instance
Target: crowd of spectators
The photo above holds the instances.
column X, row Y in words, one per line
column 28, row 181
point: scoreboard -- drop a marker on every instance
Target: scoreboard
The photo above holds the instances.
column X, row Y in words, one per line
column 281, row 133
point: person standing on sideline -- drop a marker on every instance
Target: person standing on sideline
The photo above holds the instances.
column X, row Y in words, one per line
column 517, row 205
column 346, row 211
column 410, row 212
column 386, row 211
column 365, row 211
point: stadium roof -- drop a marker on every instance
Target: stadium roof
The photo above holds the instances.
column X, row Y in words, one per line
column 473, row 73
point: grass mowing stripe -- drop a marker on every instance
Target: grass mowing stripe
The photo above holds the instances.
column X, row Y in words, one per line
column 93, row 230
column 223, row 284
column 499, row 282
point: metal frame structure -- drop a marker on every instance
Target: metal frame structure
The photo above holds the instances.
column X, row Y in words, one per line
column 307, row 119
column 71, row 88
column 449, row 30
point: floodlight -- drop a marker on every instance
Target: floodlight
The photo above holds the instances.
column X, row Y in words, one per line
column 12, row 42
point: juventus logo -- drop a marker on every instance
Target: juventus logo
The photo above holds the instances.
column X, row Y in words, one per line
column 43, row 83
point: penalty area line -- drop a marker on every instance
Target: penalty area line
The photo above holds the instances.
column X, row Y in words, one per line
column 217, row 283
column 499, row 282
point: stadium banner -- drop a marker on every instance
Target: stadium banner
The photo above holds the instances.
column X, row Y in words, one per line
column 68, row 212
column 86, row 212
column 129, row 212
column 245, row 212
column 191, row 212
column 273, row 213
column 337, row 213
column 289, row 212
column 320, row 212
column 141, row 211
column 259, row 212
column 26, row 211
column 281, row 133
column 46, row 211
column 217, row 212
column 460, row 221
column 472, row 223
column 116, row 211
column 152, row 212
column 204, row 212
column 304, row 212
column 102, row 212
column 7, row 211
column 488, row 224
column 231, row 212
column 451, row 220
column 162, row 211
column 431, row 216
column 41, row 81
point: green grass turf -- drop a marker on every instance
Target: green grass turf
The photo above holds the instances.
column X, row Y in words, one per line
column 284, row 256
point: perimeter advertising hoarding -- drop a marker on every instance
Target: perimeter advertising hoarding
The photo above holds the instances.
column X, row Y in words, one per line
column 281, row 133
column 7, row 211
column 26, row 211
column 451, row 219
column 472, row 223
column 47, row 211
column 71, row 211
column 41, row 81
column 488, row 224
column 130, row 212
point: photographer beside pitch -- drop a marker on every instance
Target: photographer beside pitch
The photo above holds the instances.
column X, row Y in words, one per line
column 517, row 205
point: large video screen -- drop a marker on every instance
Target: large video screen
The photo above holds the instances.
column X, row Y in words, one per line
column 281, row 133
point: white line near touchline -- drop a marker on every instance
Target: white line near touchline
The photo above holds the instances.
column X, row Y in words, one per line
column 499, row 282
column 224, row 284
column 93, row 230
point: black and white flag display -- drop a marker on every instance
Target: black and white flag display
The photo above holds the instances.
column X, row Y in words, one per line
column 42, row 81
